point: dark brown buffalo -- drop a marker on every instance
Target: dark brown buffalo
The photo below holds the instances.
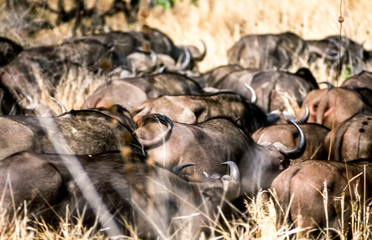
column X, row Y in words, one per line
column 8, row 50
column 283, row 51
column 334, row 50
column 143, row 63
column 85, row 132
column 192, row 109
column 161, row 43
column 132, row 92
column 214, row 75
column 209, row 144
column 125, row 43
column 311, row 195
column 287, row 135
column 275, row 90
column 323, row 102
column 352, row 139
column 43, row 69
column 116, row 190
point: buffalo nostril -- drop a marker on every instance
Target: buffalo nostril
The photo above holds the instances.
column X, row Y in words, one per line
column 362, row 130
column 365, row 123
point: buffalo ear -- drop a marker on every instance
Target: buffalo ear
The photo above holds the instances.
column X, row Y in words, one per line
column 153, row 130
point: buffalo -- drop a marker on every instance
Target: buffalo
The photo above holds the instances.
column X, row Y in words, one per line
column 44, row 68
column 85, row 132
column 39, row 71
column 132, row 92
column 125, row 43
column 283, row 51
column 361, row 83
column 209, row 144
column 119, row 190
column 275, row 90
column 360, row 80
column 351, row 139
column 323, row 195
column 333, row 106
column 161, row 43
column 214, row 75
column 339, row 53
column 191, row 109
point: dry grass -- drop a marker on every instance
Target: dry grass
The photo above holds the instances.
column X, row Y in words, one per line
column 219, row 24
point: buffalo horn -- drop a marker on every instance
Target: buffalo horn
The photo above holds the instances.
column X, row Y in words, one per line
column 253, row 93
column 154, row 57
column 234, row 170
column 187, row 58
column 177, row 169
column 305, row 117
column 63, row 109
column 300, row 149
column 162, row 69
column 329, row 84
column 29, row 99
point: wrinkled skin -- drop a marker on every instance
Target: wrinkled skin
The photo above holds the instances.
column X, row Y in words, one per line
column 299, row 189
column 141, row 194
column 352, row 139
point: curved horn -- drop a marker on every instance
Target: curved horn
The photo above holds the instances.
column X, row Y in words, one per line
column 177, row 169
column 203, row 54
column 29, row 99
column 63, row 109
column 253, row 93
column 329, row 84
column 234, row 170
column 336, row 56
column 187, row 58
column 162, row 69
column 300, row 149
column 160, row 138
column 273, row 117
column 154, row 57
column 305, row 117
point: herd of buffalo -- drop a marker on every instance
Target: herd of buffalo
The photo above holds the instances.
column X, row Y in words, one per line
column 160, row 148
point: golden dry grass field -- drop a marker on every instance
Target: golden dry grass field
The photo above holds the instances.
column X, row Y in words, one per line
column 219, row 23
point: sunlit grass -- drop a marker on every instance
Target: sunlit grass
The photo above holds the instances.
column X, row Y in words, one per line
column 219, row 24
